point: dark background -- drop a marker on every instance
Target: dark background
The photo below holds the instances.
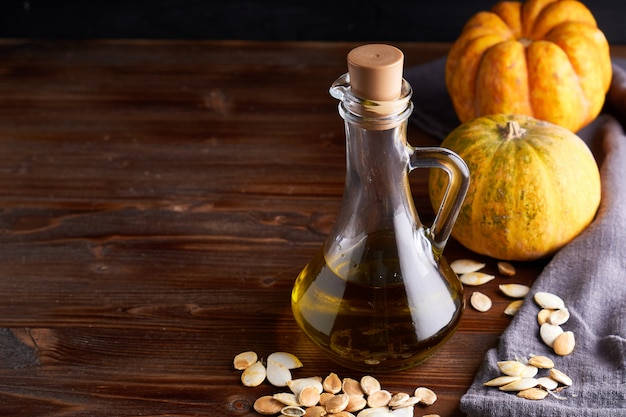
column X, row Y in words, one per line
column 439, row 21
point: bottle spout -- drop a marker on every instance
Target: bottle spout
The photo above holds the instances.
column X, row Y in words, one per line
column 340, row 88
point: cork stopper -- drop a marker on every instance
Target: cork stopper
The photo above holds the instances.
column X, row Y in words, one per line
column 376, row 72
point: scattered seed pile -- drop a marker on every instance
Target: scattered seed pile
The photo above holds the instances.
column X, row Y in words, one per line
column 469, row 273
column 553, row 312
column 521, row 376
column 331, row 396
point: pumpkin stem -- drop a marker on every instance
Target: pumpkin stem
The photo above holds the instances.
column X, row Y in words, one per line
column 513, row 130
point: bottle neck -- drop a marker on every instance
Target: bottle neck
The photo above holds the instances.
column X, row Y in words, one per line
column 376, row 145
column 370, row 114
column 377, row 196
column 379, row 159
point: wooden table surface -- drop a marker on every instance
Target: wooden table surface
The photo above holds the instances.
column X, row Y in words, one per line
column 157, row 200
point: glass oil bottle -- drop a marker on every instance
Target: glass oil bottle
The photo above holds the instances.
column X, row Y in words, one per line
column 379, row 295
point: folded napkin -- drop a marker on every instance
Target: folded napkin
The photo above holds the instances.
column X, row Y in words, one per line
column 589, row 274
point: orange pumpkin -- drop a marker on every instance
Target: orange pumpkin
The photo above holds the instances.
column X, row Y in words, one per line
column 534, row 186
column 542, row 58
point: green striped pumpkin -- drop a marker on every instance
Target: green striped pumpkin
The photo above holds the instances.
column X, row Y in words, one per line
column 534, row 186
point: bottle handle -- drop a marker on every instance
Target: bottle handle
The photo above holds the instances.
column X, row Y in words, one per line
column 458, row 184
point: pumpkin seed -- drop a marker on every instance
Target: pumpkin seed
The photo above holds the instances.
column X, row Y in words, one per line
column 398, row 399
column 513, row 307
column 561, row 377
column 325, row 396
column 287, row 398
column 564, row 343
column 514, row 290
column 542, row 362
column 244, row 360
column 316, row 411
column 506, row 269
column 332, row 383
column 533, row 394
column 298, row 384
column 337, row 403
column 425, row 395
column 529, row 371
column 519, row 385
column 501, row 380
column 356, row 403
column 559, row 317
column 278, row 368
column 476, row 278
column 286, row 359
column 549, row 300
column 278, row 374
column 308, row 396
column 352, row 386
column 254, row 375
column 480, row 301
column 512, row 368
column 544, row 316
column 547, row 383
column 369, row 384
column 549, row 333
column 267, row 405
column 410, row 402
column 379, row 398
column 293, row 411
column 464, row 266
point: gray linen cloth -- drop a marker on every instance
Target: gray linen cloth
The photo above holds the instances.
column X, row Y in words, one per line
column 589, row 274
